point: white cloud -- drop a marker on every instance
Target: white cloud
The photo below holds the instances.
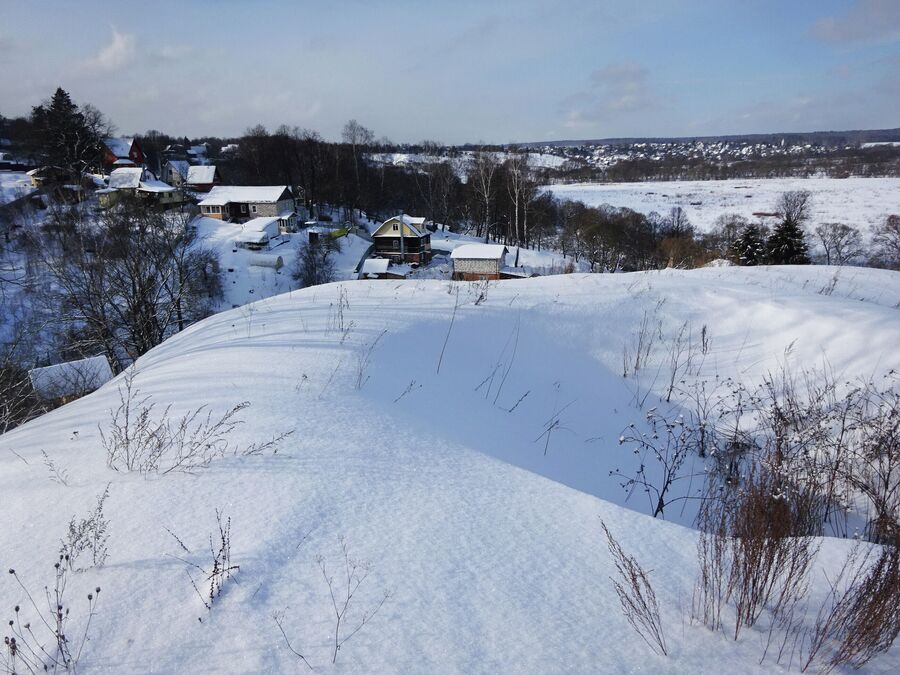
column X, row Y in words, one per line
column 117, row 54
column 867, row 20
column 617, row 91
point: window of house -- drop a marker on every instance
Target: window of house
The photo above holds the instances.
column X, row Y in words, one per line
column 396, row 228
column 253, row 208
column 396, row 243
column 243, row 208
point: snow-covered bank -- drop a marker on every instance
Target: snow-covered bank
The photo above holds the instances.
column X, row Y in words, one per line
column 491, row 567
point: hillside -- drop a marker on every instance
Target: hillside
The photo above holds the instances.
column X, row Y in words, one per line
column 476, row 492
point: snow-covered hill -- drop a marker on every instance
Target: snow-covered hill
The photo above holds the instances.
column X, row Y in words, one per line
column 420, row 414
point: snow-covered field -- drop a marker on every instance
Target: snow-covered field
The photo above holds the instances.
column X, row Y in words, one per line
column 487, row 537
column 13, row 184
column 860, row 202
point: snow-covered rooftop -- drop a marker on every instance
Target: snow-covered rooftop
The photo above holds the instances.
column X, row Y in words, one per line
column 375, row 266
column 224, row 194
column 479, row 251
column 126, row 178
column 120, row 147
column 201, row 175
column 70, row 378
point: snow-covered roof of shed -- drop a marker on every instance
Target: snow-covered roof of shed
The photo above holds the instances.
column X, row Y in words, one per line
column 375, row 266
column 124, row 177
column 154, row 185
column 120, row 147
column 260, row 224
column 70, row 378
column 479, row 251
column 223, row 194
column 201, row 175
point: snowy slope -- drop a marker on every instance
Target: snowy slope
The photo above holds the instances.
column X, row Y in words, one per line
column 491, row 549
column 860, row 202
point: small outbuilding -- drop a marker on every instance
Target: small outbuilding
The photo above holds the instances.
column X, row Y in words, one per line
column 380, row 268
column 70, row 380
column 257, row 234
column 474, row 262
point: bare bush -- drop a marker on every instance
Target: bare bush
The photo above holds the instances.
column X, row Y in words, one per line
column 364, row 360
column 636, row 595
column 861, row 616
column 140, row 439
column 46, row 642
column 662, row 452
column 353, row 572
column 87, row 535
column 219, row 570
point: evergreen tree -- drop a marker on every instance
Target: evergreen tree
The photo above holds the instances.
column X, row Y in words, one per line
column 749, row 248
column 66, row 136
column 787, row 245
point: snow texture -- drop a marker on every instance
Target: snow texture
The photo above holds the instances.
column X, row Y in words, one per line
column 489, row 543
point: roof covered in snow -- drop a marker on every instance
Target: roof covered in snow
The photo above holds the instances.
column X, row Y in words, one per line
column 375, row 266
column 126, row 178
column 414, row 224
column 71, row 378
column 201, row 175
column 120, row 147
column 155, row 185
column 221, row 195
column 180, row 165
column 479, row 252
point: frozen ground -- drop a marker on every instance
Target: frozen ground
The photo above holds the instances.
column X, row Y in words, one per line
column 490, row 547
column 13, row 184
column 860, row 202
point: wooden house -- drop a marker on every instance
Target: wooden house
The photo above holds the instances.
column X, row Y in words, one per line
column 403, row 238
column 121, row 152
column 474, row 262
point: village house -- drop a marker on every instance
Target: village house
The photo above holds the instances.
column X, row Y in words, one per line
column 175, row 171
column 239, row 203
column 121, row 152
column 203, row 178
column 140, row 183
column 403, row 238
column 474, row 262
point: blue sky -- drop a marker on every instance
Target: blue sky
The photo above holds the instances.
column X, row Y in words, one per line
column 462, row 71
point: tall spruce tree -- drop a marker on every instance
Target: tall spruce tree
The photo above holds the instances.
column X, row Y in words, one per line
column 65, row 135
column 787, row 245
column 749, row 248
